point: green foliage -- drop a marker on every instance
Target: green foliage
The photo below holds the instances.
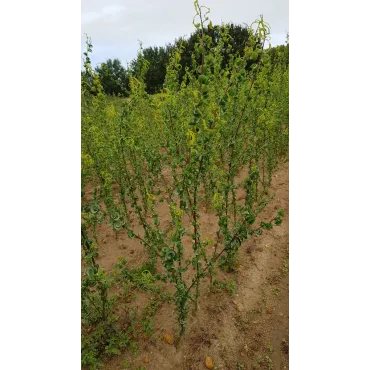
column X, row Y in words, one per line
column 217, row 128
column 114, row 77
column 100, row 336
column 142, row 278
column 230, row 287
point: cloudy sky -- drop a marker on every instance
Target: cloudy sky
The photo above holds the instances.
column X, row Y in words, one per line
column 116, row 26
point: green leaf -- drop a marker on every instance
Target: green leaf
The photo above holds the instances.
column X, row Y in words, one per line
column 114, row 351
column 254, row 55
column 250, row 219
column 203, row 79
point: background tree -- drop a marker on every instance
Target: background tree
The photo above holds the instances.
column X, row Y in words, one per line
column 158, row 59
column 113, row 77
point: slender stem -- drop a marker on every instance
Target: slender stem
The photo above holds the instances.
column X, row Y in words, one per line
column 214, row 259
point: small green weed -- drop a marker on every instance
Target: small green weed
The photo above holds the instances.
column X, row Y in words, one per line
column 240, row 366
column 285, row 267
column 266, row 361
column 230, row 287
column 126, row 364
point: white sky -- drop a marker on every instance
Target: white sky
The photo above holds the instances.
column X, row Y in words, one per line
column 116, row 26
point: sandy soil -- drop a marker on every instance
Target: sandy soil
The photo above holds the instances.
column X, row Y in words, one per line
column 247, row 330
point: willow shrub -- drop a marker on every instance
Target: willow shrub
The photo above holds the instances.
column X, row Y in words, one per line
column 186, row 144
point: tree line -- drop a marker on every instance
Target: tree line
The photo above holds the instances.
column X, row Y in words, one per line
column 114, row 77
